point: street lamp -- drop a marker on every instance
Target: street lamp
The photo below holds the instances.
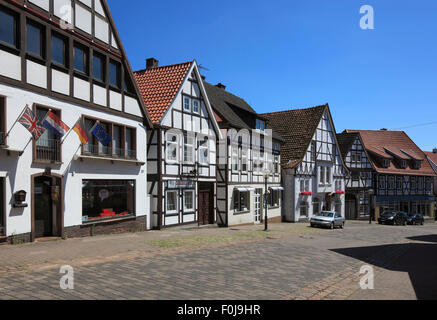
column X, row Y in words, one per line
column 266, row 179
column 370, row 192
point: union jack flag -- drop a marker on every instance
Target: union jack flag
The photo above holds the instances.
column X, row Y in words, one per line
column 31, row 123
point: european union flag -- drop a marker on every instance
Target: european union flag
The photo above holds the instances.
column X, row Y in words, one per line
column 101, row 135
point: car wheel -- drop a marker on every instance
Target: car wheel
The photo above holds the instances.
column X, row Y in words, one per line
column 332, row 226
column 421, row 223
column 342, row 226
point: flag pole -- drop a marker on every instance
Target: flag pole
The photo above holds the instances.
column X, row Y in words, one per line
column 69, row 131
column 19, row 117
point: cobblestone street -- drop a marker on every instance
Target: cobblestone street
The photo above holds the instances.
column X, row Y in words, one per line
column 290, row 262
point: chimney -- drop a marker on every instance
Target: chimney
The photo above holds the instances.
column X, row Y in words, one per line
column 151, row 63
column 203, row 77
column 221, row 86
column 384, row 129
column 434, row 151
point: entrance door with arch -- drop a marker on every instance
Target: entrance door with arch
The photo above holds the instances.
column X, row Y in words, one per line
column 47, row 206
column 257, row 213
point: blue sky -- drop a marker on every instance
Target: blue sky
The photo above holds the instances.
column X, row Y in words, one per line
column 286, row 54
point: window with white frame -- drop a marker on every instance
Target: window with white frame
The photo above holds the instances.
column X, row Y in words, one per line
column 234, row 160
column 172, row 143
column 261, row 162
column 275, row 196
column 260, row 125
column 204, row 151
column 189, row 142
column 382, row 182
column 270, row 163
column 276, row 165
column 399, row 183
column 196, row 105
column 255, row 162
column 328, row 175
column 171, row 202
column 391, row 183
column 244, row 167
column 322, row 175
column 189, row 201
column 305, row 185
column 187, row 106
column 338, row 185
column 241, row 201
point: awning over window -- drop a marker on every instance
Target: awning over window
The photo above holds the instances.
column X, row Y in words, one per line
column 242, row 189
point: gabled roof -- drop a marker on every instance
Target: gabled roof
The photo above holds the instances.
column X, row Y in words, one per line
column 346, row 141
column 159, row 87
column 297, row 128
column 233, row 109
column 433, row 158
column 390, row 145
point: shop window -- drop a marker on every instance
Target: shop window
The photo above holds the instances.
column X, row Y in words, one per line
column 304, row 209
column 275, row 196
column 9, row 27
column 171, row 202
column 188, row 201
column 107, row 199
column 316, row 206
column 59, row 50
column 172, row 143
column 35, row 39
column 241, row 201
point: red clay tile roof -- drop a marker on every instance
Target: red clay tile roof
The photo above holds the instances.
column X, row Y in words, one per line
column 432, row 156
column 380, row 142
column 297, row 128
column 159, row 87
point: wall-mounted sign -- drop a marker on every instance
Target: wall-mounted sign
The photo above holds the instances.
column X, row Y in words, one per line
column 180, row 184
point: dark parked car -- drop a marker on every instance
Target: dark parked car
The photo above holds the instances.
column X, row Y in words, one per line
column 394, row 218
column 415, row 218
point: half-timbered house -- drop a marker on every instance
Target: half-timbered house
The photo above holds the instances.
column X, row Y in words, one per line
column 399, row 175
column 181, row 150
column 249, row 153
column 359, row 184
column 66, row 57
column 313, row 170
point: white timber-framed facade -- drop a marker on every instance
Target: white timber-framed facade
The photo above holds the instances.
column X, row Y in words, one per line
column 248, row 150
column 181, row 150
column 313, row 170
column 66, row 57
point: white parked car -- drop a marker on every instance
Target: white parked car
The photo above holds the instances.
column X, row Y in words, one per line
column 328, row 219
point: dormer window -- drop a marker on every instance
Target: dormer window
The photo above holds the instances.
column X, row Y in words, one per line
column 260, row 125
column 403, row 164
column 386, row 163
column 417, row 165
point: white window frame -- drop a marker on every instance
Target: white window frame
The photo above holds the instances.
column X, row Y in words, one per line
column 237, row 200
column 328, row 178
column 185, row 99
column 171, row 212
column 234, row 158
column 193, row 105
column 168, row 143
column 244, row 157
column 193, row 209
column 191, row 146
column 276, row 164
column 203, row 147
column 322, row 179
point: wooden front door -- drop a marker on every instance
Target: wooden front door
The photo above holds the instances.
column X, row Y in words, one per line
column 205, row 206
column 47, row 195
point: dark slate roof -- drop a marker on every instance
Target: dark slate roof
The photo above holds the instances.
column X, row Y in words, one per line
column 297, row 128
column 233, row 110
column 345, row 141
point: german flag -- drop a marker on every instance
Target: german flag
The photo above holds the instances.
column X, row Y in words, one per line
column 81, row 132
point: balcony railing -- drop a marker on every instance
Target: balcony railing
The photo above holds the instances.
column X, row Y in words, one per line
column 2, row 139
column 48, row 150
column 109, row 152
